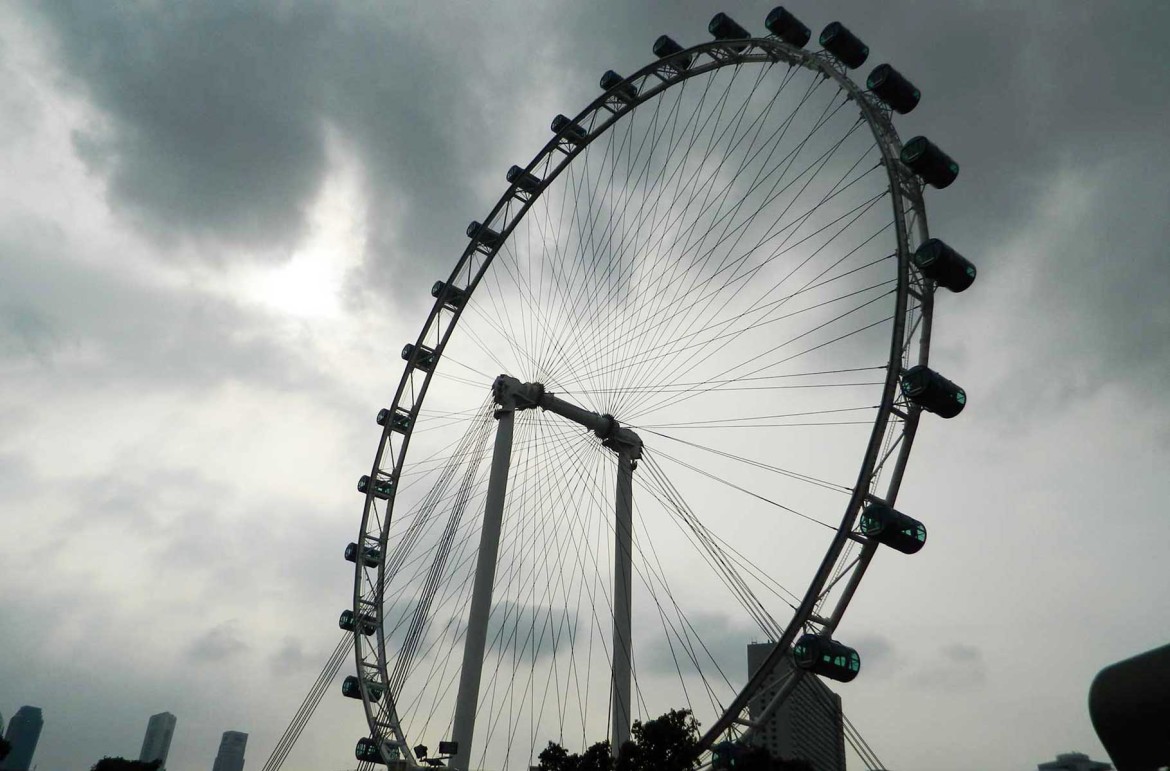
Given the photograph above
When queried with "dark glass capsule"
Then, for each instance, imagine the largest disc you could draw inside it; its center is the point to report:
(933, 392)
(924, 158)
(399, 420)
(891, 87)
(892, 528)
(523, 180)
(347, 622)
(382, 490)
(844, 45)
(454, 297)
(723, 27)
(371, 557)
(725, 755)
(941, 263)
(367, 750)
(612, 82)
(351, 688)
(666, 46)
(568, 130)
(781, 23)
(826, 657)
(424, 360)
(483, 234)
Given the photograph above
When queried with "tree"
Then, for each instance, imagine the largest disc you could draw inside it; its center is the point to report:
(5, 748)
(122, 764)
(666, 743)
(554, 757)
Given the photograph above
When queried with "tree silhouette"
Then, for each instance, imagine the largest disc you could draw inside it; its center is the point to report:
(5, 748)
(667, 743)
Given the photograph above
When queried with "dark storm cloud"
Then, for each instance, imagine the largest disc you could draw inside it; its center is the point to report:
(214, 117)
(215, 120)
(213, 124)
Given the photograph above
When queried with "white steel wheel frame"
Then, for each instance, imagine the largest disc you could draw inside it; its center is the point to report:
(890, 438)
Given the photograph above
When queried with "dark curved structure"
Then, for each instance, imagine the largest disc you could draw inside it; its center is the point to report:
(1129, 704)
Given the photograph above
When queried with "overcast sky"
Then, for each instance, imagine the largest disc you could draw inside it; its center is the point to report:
(219, 222)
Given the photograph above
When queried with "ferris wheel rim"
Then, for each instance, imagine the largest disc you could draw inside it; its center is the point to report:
(719, 54)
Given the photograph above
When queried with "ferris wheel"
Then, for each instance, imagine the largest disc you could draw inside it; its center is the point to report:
(678, 367)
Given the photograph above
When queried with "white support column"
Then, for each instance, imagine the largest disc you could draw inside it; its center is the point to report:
(622, 582)
(481, 594)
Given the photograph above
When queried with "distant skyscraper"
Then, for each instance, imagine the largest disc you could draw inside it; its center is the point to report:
(23, 732)
(1074, 761)
(157, 742)
(808, 725)
(231, 752)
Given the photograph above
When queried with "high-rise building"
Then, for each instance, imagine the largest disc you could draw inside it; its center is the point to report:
(808, 725)
(1073, 761)
(24, 730)
(157, 742)
(231, 752)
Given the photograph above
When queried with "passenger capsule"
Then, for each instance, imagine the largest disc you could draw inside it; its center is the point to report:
(370, 559)
(787, 27)
(367, 750)
(351, 688)
(941, 263)
(933, 392)
(369, 623)
(723, 27)
(666, 46)
(523, 180)
(424, 359)
(483, 234)
(891, 87)
(890, 527)
(725, 756)
(453, 297)
(568, 130)
(399, 420)
(612, 82)
(844, 45)
(826, 657)
(382, 490)
(924, 158)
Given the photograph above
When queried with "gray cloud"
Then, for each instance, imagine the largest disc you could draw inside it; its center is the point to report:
(62, 312)
(724, 644)
(292, 657)
(956, 666)
(212, 124)
(221, 642)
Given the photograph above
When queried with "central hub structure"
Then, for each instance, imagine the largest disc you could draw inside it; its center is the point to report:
(511, 395)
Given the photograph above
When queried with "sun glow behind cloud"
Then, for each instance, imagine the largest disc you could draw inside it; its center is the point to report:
(309, 284)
